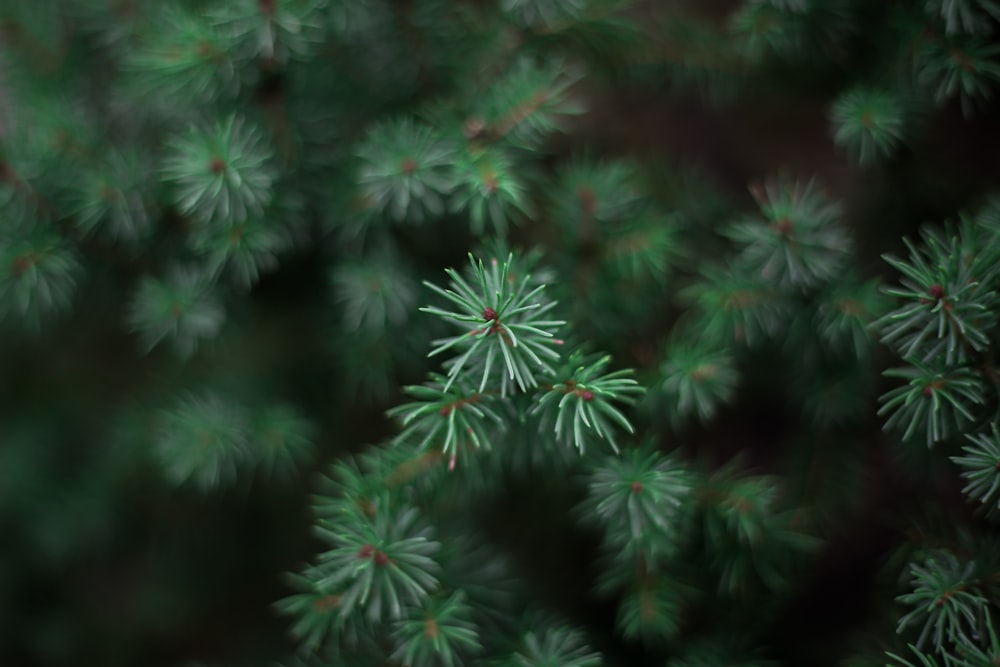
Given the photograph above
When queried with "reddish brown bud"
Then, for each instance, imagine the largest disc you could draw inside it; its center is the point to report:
(366, 551)
(473, 128)
(21, 264)
(587, 395)
(588, 199)
(936, 291)
(489, 314)
(784, 226)
(381, 558)
(217, 165)
(326, 603)
(490, 182)
(636, 486)
(408, 165)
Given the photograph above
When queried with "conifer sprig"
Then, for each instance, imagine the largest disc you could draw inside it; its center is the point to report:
(578, 406)
(946, 599)
(698, 377)
(509, 331)
(207, 439)
(528, 103)
(981, 467)
(183, 309)
(381, 565)
(935, 403)
(39, 271)
(406, 170)
(554, 646)
(643, 492)
(949, 300)
(799, 242)
(966, 16)
(183, 57)
(221, 174)
(448, 415)
(439, 633)
(870, 124)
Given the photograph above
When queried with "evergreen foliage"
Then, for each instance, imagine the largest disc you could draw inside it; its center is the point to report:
(648, 422)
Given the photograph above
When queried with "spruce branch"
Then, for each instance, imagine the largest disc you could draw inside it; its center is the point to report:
(846, 312)
(204, 439)
(490, 190)
(114, 199)
(651, 610)
(590, 199)
(182, 57)
(242, 250)
(869, 123)
(962, 66)
(39, 272)
(792, 29)
(382, 565)
(222, 174)
(376, 292)
(275, 31)
(281, 440)
(208, 439)
(645, 249)
(527, 104)
(406, 170)
(698, 378)
(639, 498)
(317, 621)
(936, 402)
(547, 15)
(449, 416)
(577, 403)
(749, 536)
(733, 307)
(438, 633)
(504, 322)
(965, 16)
(947, 601)
(182, 309)
(799, 243)
(981, 467)
(950, 303)
(352, 486)
(561, 646)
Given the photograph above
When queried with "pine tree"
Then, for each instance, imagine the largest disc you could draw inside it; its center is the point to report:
(375, 332)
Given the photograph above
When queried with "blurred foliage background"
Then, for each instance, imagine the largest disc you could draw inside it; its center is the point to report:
(104, 561)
